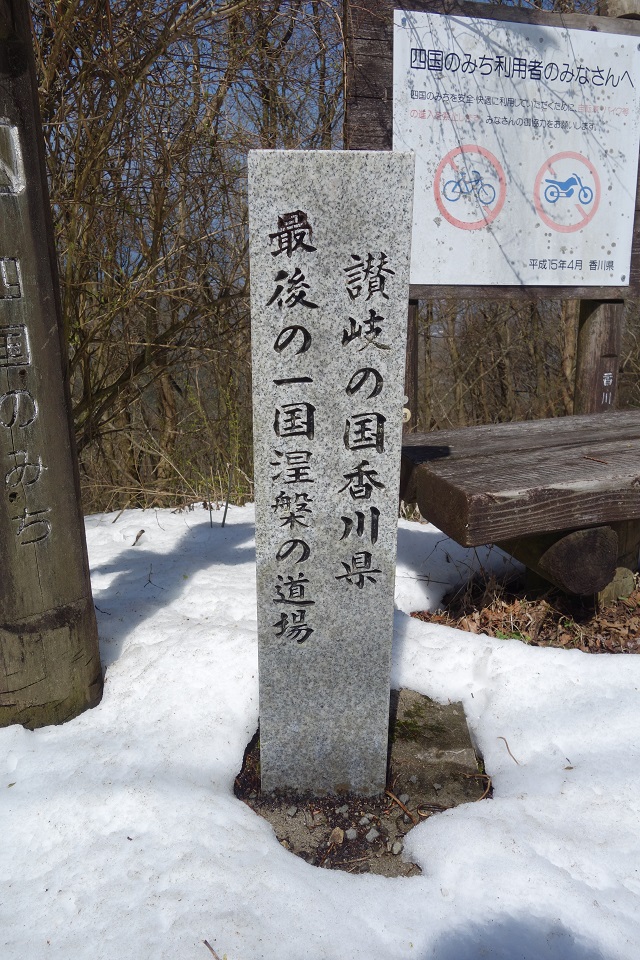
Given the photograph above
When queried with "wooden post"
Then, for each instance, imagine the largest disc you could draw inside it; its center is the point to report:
(597, 366)
(623, 582)
(598, 356)
(49, 659)
(625, 9)
(600, 324)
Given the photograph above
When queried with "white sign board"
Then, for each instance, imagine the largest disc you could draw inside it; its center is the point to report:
(526, 140)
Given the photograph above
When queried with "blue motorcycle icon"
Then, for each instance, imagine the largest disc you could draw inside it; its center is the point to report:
(565, 188)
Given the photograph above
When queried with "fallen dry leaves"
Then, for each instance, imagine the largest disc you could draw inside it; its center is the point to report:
(553, 619)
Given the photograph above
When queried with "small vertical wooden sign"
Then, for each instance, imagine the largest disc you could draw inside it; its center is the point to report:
(49, 659)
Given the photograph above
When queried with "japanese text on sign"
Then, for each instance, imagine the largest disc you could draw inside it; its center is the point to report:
(526, 141)
(22, 465)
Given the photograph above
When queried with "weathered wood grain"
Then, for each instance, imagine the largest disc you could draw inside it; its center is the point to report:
(49, 659)
(598, 356)
(503, 439)
(486, 518)
(373, 19)
(623, 583)
(582, 562)
(491, 483)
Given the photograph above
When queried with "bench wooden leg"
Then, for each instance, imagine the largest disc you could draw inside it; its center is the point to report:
(598, 560)
(580, 562)
(623, 583)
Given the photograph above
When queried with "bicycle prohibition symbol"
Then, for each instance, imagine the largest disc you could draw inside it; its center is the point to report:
(474, 184)
(472, 174)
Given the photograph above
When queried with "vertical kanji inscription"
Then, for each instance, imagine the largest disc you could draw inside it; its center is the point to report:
(329, 243)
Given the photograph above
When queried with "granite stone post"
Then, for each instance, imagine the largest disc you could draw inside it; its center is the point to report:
(330, 238)
(49, 658)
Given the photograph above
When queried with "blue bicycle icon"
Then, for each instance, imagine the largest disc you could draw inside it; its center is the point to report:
(484, 192)
(565, 188)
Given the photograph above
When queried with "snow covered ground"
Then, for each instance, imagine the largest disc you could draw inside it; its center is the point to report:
(122, 840)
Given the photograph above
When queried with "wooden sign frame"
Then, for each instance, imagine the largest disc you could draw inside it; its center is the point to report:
(369, 114)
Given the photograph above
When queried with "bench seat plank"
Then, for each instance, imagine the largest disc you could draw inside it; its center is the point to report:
(491, 483)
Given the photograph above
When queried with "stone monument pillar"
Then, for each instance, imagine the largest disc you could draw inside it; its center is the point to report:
(49, 660)
(330, 238)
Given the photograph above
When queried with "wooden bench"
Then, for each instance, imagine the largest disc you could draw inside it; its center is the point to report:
(562, 495)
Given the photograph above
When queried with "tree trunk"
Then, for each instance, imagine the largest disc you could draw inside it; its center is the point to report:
(569, 312)
(411, 368)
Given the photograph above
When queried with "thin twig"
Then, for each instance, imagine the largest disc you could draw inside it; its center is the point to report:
(402, 806)
(480, 776)
(595, 459)
(431, 808)
(226, 506)
(483, 776)
(508, 750)
(150, 581)
(351, 869)
(207, 944)
(329, 851)
(486, 791)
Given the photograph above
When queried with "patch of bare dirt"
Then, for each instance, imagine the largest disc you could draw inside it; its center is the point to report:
(432, 768)
(551, 619)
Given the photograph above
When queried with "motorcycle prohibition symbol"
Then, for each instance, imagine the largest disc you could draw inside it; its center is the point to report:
(454, 189)
(565, 188)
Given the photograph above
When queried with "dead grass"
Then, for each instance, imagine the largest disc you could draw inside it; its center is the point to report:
(551, 619)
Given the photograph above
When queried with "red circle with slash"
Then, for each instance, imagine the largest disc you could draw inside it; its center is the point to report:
(450, 161)
(543, 173)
